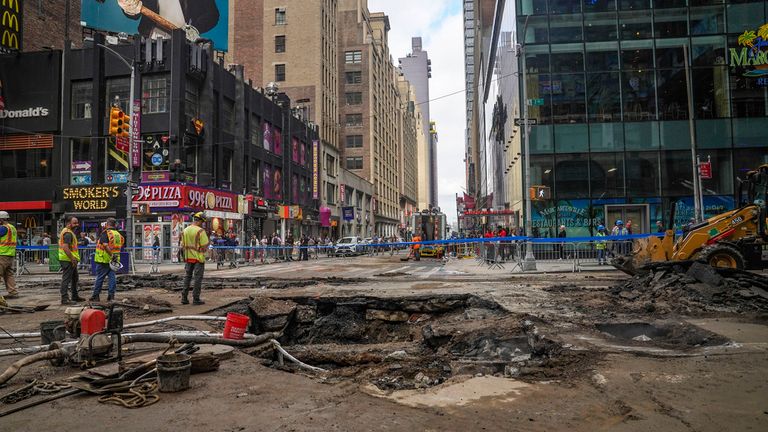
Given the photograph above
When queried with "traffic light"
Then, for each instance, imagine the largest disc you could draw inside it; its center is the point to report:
(118, 123)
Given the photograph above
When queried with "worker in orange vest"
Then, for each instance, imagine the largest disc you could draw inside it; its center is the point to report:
(416, 246)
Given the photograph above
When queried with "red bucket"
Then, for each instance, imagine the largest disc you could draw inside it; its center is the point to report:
(235, 326)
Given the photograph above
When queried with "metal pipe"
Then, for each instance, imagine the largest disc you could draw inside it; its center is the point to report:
(127, 326)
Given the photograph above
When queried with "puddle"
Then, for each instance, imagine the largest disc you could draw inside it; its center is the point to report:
(678, 335)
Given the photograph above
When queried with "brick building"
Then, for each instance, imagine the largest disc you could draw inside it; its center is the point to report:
(45, 26)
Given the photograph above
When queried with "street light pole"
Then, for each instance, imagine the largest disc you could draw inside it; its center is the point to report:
(697, 199)
(529, 262)
(129, 189)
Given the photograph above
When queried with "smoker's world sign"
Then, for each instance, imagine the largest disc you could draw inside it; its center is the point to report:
(751, 59)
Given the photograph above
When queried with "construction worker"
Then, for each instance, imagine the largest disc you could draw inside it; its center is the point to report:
(69, 257)
(194, 242)
(8, 254)
(416, 246)
(107, 252)
(600, 245)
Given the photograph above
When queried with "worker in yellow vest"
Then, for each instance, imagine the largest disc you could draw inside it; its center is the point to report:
(8, 254)
(69, 257)
(107, 259)
(194, 243)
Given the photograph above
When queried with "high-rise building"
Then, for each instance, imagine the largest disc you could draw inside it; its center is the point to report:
(607, 85)
(417, 68)
(369, 108)
(411, 136)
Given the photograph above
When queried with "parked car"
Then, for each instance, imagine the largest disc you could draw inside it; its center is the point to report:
(348, 246)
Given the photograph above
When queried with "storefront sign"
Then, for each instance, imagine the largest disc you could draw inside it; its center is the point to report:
(92, 198)
(11, 26)
(136, 134)
(290, 212)
(315, 170)
(155, 176)
(341, 193)
(752, 58)
(210, 200)
(159, 196)
(24, 113)
(30, 82)
(187, 197)
(348, 213)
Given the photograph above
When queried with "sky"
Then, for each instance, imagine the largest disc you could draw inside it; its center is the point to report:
(440, 25)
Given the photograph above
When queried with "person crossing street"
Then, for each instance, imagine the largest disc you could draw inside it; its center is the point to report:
(69, 257)
(8, 238)
(107, 259)
(194, 243)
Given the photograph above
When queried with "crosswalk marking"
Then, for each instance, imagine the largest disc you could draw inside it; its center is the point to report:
(398, 270)
(430, 273)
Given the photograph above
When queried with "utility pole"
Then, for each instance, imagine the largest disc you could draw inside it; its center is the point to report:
(697, 204)
(529, 262)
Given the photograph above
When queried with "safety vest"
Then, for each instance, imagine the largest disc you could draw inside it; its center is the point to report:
(104, 252)
(194, 241)
(8, 241)
(600, 244)
(72, 247)
(416, 239)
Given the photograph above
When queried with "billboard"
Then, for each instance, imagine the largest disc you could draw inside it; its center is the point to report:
(155, 18)
(11, 25)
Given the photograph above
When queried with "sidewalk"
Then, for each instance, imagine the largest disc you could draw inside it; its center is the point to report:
(472, 266)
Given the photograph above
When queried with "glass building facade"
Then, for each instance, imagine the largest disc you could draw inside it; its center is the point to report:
(609, 82)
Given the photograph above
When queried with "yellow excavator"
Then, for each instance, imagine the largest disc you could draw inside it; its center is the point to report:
(735, 239)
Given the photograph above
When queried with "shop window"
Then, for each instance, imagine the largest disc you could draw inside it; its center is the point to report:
(713, 133)
(710, 93)
(279, 72)
(607, 175)
(600, 26)
(676, 173)
(672, 94)
(639, 95)
(80, 100)
(571, 176)
(155, 94)
(568, 99)
(635, 25)
(747, 98)
(642, 174)
(565, 28)
(604, 97)
(606, 137)
(571, 138)
(671, 23)
(118, 93)
(707, 20)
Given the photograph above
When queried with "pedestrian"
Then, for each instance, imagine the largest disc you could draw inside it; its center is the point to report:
(276, 252)
(629, 226)
(416, 239)
(47, 246)
(600, 245)
(69, 258)
(107, 259)
(155, 249)
(194, 242)
(560, 247)
(220, 248)
(8, 239)
(232, 243)
(289, 242)
(83, 243)
(304, 248)
(660, 227)
(619, 230)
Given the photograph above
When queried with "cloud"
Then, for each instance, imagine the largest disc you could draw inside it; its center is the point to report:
(440, 24)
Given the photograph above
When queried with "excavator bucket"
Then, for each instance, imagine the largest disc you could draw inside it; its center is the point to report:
(644, 251)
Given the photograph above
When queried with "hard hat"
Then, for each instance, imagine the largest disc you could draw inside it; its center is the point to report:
(115, 265)
(619, 222)
(600, 227)
(4, 215)
(199, 216)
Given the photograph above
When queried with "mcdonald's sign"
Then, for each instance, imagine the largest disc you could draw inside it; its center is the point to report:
(11, 25)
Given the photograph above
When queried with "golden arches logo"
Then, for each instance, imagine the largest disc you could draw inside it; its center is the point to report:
(10, 40)
(10, 4)
(12, 21)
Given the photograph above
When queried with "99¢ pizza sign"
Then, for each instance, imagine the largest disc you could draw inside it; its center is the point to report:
(199, 198)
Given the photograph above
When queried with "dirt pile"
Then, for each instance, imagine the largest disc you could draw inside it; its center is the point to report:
(673, 287)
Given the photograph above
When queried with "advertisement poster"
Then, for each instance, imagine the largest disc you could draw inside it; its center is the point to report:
(348, 213)
(177, 227)
(267, 129)
(268, 182)
(295, 150)
(200, 18)
(295, 197)
(277, 140)
(315, 170)
(277, 184)
(136, 133)
(150, 232)
(155, 149)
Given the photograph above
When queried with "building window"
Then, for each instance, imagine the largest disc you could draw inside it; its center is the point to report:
(118, 92)
(279, 72)
(255, 176)
(279, 16)
(354, 120)
(228, 116)
(154, 97)
(32, 163)
(330, 193)
(279, 44)
(354, 98)
(354, 77)
(330, 165)
(353, 57)
(354, 141)
(227, 166)
(191, 101)
(255, 128)
(354, 163)
(81, 100)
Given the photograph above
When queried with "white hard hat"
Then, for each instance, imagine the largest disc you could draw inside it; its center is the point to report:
(4, 215)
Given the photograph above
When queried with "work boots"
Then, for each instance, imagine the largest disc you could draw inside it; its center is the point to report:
(184, 300)
(197, 302)
(95, 298)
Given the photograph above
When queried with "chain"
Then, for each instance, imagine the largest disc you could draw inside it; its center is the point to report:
(136, 397)
(31, 389)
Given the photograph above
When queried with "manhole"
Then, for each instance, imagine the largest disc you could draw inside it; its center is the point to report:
(410, 342)
(663, 334)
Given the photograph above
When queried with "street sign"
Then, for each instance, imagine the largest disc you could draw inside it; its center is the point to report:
(539, 193)
(536, 102)
(531, 122)
(705, 170)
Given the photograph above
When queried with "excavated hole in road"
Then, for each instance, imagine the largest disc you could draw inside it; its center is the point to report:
(410, 342)
(664, 334)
